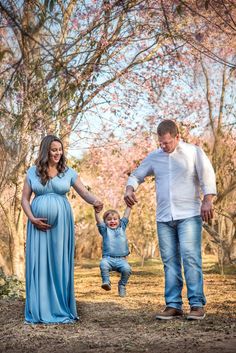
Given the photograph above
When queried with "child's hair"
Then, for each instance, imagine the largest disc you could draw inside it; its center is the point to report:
(109, 212)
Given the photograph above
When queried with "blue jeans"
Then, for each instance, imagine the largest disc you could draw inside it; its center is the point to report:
(180, 242)
(118, 264)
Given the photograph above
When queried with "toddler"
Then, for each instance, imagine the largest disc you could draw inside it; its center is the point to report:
(114, 248)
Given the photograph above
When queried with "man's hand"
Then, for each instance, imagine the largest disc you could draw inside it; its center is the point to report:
(207, 208)
(130, 198)
(98, 206)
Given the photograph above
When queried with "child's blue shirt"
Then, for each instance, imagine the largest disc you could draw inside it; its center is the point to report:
(114, 240)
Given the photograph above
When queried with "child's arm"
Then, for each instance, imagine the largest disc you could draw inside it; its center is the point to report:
(98, 218)
(102, 228)
(127, 212)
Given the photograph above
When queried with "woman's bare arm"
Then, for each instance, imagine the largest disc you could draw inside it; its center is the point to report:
(87, 195)
(40, 223)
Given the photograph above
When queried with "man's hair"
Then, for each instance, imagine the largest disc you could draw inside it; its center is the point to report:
(167, 126)
(108, 212)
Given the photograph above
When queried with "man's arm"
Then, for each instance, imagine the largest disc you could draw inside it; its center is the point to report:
(207, 180)
(135, 179)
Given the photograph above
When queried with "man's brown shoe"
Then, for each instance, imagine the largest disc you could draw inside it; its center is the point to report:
(169, 313)
(196, 313)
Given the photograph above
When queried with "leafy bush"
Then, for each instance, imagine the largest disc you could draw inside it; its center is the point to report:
(10, 286)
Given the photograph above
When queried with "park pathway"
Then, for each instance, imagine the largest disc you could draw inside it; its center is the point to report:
(112, 324)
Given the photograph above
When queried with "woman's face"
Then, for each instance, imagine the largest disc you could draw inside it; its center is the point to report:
(55, 152)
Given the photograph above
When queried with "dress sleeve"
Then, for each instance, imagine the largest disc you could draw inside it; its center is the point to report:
(102, 228)
(124, 222)
(74, 176)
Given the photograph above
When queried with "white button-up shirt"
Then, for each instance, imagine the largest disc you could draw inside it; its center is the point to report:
(180, 177)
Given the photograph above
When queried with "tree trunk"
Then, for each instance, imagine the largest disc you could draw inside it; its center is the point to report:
(224, 240)
(18, 254)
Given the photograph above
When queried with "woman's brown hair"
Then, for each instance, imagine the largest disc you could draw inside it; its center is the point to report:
(43, 157)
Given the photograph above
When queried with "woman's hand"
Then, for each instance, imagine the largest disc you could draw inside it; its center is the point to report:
(41, 224)
(98, 206)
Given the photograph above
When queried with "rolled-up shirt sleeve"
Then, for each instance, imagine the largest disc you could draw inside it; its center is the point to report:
(139, 174)
(205, 173)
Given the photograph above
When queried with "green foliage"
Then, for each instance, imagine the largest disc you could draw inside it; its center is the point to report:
(10, 286)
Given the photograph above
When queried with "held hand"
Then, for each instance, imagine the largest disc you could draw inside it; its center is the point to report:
(130, 198)
(206, 210)
(40, 223)
(98, 206)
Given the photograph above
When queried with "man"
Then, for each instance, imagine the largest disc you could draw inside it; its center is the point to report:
(181, 171)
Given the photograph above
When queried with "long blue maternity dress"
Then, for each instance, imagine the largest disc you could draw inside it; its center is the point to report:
(50, 255)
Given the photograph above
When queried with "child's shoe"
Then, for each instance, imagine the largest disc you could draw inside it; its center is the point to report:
(121, 290)
(106, 286)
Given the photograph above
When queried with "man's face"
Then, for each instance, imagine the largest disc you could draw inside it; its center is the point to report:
(168, 143)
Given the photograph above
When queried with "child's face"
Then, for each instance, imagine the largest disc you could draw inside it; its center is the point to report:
(112, 220)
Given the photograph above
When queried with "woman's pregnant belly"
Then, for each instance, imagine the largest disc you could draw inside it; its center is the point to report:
(49, 206)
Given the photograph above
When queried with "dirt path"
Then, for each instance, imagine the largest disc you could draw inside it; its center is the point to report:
(112, 324)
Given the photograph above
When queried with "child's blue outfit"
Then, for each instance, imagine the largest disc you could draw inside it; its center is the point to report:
(114, 251)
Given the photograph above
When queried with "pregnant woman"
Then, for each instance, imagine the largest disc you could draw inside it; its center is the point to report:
(50, 235)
